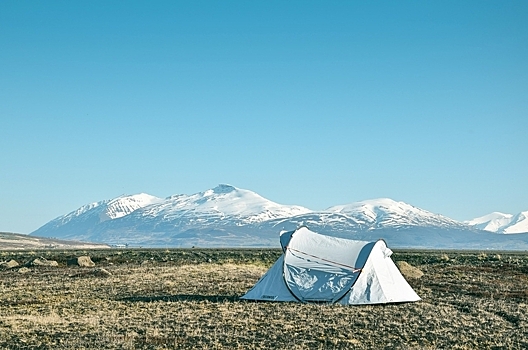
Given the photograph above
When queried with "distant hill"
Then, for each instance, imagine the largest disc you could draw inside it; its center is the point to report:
(15, 241)
(226, 216)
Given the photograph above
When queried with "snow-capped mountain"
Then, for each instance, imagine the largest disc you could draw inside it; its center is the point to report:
(221, 204)
(79, 223)
(364, 217)
(108, 209)
(502, 223)
(385, 212)
(229, 216)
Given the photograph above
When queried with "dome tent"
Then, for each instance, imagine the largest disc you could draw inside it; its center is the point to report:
(320, 268)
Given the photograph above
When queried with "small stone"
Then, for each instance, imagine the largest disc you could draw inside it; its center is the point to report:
(9, 264)
(85, 261)
(24, 270)
(43, 262)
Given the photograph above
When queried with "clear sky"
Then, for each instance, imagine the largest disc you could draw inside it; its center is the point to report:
(314, 103)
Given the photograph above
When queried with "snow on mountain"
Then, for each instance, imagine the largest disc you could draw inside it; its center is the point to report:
(134, 217)
(491, 222)
(223, 202)
(90, 215)
(385, 212)
(518, 223)
(400, 224)
(124, 205)
(111, 209)
(366, 216)
(501, 223)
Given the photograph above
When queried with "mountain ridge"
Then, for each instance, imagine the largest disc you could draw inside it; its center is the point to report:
(230, 216)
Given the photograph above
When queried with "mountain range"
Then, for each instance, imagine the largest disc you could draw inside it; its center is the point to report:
(226, 216)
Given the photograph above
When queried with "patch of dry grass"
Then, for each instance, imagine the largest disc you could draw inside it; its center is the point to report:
(152, 302)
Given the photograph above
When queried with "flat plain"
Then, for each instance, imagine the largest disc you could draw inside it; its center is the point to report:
(189, 298)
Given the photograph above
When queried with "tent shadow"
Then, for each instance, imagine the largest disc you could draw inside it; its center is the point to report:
(180, 297)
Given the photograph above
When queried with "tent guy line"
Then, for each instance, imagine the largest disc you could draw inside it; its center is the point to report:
(352, 268)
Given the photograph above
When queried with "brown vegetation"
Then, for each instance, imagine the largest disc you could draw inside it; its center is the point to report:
(17, 241)
(165, 299)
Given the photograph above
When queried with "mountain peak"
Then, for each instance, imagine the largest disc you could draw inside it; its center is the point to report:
(224, 188)
(126, 204)
(219, 191)
(386, 212)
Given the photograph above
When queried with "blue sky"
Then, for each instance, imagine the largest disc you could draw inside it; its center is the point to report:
(313, 103)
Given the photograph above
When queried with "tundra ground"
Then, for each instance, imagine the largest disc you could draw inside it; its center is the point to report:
(189, 298)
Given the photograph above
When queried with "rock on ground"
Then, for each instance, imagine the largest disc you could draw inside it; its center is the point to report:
(409, 271)
(82, 261)
(8, 264)
(42, 262)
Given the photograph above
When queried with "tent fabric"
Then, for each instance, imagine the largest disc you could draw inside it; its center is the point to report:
(320, 268)
(271, 286)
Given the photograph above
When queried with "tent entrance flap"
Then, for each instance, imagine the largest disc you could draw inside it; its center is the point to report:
(316, 285)
(311, 278)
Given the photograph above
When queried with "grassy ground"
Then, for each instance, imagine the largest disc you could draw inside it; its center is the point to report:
(165, 299)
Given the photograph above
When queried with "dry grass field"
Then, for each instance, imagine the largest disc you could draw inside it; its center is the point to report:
(172, 299)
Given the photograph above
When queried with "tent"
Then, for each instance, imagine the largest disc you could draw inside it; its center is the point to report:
(324, 269)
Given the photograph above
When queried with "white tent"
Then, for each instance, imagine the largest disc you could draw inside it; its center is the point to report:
(319, 268)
